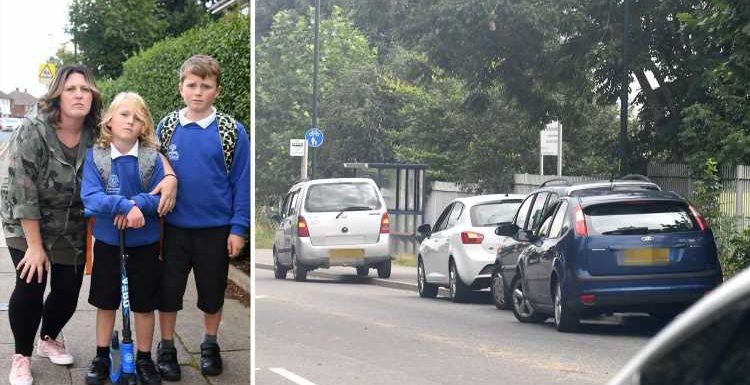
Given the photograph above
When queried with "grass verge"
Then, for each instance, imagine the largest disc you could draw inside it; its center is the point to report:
(405, 259)
(264, 232)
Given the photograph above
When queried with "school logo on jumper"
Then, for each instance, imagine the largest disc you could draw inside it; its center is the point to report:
(113, 185)
(172, 154)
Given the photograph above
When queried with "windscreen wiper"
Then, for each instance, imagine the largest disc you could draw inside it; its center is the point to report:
(353, 208)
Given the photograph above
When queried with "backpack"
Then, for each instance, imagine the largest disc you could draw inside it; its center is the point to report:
(147, 158)
(227, 134)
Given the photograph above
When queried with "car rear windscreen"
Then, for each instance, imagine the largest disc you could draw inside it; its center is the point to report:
(492, 213)
(341, 196)
(638, 218)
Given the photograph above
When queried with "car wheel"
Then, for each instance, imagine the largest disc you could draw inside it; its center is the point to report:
(457, 290)
(500, 296)
(362, 271)
(522, 308)
(299, 273)
(279, 271)
(426, 290)
(565, 319)
(384, 269)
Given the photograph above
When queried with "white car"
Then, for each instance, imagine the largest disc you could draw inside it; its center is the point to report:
(332, 222)
(459, 251)
(10, 124)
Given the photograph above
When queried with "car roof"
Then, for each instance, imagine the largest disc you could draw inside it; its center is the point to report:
(331, 180)
(630, 195)
(615, 185)
(476, 199)
(705, 311)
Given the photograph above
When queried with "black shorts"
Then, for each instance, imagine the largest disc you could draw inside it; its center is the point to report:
(204, 251)
(144, 277)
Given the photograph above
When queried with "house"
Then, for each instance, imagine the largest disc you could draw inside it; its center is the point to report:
(21, 103)
(5, 102)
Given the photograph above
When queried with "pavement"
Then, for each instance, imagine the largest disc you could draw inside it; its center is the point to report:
(234, 336)
(402, 277)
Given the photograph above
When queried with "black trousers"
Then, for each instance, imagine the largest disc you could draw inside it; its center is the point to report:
(27, 307)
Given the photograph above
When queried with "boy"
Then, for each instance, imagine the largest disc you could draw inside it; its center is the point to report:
(127, 150)
(210, 153)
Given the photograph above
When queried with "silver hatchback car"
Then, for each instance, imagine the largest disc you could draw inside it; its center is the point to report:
(332, 222)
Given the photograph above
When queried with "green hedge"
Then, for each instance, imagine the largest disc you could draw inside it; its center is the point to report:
(154, 73)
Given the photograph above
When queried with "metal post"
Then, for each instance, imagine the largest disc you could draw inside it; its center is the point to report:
(559, 149)
(303, 166)
(624, 92)
(316, 60)
(541, 152)
(739, 198)
(541, 164)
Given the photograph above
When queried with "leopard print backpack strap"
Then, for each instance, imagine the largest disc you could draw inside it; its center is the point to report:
(168, 125)
(228, 136)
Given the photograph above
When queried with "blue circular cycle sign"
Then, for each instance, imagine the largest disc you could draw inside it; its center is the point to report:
(314, 137)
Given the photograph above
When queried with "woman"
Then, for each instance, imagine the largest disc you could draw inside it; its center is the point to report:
(43, 216)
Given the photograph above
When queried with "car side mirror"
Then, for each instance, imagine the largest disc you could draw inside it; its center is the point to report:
(424, 229)
(507, 229)
(276, 218)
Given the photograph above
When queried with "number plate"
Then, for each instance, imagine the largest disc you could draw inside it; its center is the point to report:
(346, 254)
(645, 257)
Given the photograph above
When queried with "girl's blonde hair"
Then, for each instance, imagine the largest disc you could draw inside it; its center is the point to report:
(142, 114)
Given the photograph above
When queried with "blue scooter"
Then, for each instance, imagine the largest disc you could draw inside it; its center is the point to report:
(122, 365)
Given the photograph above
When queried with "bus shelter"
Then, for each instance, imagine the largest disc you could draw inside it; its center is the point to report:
(403, 188)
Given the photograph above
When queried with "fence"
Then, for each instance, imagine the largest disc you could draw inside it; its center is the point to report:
(734, 199)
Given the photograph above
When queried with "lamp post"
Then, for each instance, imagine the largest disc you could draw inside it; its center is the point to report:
(316, 60)
(624, 92)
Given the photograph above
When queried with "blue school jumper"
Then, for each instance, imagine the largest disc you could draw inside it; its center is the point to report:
(115, 198)
(208, 197)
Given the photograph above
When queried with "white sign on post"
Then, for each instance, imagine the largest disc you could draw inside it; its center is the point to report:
(548, 141)
(296, 147)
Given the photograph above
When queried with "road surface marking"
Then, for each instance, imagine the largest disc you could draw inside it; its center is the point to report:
(291, 376)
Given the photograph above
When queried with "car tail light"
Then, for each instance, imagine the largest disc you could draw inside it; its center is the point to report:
(471, 238)
(699, 218)
(302, 230)
(580, 223)
(385, 224)
(588, 299)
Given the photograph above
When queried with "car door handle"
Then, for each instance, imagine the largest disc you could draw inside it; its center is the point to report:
(680, 245)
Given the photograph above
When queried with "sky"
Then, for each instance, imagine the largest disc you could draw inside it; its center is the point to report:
(30, 32)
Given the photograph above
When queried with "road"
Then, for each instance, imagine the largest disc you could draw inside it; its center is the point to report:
(340, 329)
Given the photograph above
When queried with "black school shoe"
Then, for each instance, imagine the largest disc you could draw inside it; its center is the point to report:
(210, 359)
(167, 362)
(147, 373)
(98, 371)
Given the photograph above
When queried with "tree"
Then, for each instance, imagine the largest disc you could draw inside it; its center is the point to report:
(110, 31)
(348, 115)
(182, 15)
(718, 125)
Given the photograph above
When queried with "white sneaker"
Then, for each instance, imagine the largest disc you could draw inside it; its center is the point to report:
(54, 350)
(20, 370)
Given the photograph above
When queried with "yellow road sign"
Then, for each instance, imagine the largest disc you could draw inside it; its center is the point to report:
(47, 71)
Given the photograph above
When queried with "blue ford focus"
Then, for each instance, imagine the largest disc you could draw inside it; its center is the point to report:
(622, 251)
